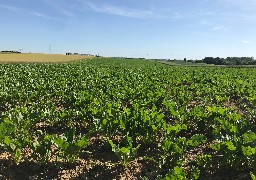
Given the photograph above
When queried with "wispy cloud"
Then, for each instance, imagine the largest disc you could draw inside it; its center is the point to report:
(150, 13)
(228, 11)
(58, 6)
(44, 16)
(11, 8)
(205, 22)
(217, 28)
(66, 13)
(115, 10)
(27, 11)
(245, 41)
(240, 3)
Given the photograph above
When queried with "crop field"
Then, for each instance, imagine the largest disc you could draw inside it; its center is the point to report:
(126, 119)
(41, 58)
(182, 63)
(190, 64)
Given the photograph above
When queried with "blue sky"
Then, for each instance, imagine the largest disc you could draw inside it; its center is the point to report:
(132, 28)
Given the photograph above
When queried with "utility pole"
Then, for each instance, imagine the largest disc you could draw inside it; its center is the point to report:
(50, 50)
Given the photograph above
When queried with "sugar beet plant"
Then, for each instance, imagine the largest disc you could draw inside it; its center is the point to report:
(140, 109)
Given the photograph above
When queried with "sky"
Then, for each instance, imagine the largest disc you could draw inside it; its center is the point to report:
(170, 29)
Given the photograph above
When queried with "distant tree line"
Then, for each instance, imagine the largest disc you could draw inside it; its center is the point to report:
(230, 61)
(10, 52)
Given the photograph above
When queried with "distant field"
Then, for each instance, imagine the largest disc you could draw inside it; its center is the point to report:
(183, 63)
(190, 64)
(44, 58)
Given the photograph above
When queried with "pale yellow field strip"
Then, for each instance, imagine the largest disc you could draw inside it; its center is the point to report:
(43, 58)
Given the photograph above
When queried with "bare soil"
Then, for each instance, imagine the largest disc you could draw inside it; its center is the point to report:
(99, 162)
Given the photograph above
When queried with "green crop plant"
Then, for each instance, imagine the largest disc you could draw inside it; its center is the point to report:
(57, 111)
(127, 152)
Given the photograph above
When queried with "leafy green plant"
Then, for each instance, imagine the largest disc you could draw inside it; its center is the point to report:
(43, 149)
(253, 176)
(69, 145)
(125, 153)
(171, 111)
(205, 161)
(196, 140)
(177, 173)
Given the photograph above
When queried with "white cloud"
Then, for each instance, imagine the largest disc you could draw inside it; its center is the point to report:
(217, 28)
(58, 6)
(44, 16)
(220, 28)
(27, 11)
(205, 22)
(11, 8)
(245, 42)
(238, 2)
(115, 10)
(152, 13)
(66, 13)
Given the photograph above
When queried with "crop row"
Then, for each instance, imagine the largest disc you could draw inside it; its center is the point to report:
(195, 121)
